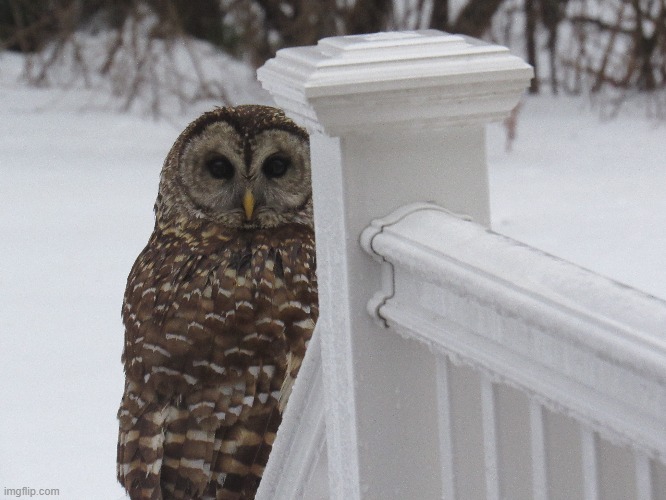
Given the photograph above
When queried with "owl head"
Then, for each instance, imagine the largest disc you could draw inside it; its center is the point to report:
(244, 167)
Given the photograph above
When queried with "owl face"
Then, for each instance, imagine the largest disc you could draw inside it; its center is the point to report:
(245, 168)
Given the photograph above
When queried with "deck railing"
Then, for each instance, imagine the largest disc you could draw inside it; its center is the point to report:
(449, 361)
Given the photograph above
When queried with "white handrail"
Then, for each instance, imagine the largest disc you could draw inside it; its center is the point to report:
(572, 339)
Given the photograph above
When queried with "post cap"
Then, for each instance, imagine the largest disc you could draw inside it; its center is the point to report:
(396, 80)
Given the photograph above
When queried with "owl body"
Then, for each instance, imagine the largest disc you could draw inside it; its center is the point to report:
(219, 308)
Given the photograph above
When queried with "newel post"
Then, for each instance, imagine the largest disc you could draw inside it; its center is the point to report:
(395, 118)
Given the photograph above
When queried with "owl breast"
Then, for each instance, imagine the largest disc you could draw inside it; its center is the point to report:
(216, 330)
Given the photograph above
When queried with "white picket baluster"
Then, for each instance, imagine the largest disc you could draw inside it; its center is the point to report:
(538, 445)
(644, 485)
(490, 443)
(446, 435)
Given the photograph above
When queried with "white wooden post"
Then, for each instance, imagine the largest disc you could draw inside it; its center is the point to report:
(395, 118)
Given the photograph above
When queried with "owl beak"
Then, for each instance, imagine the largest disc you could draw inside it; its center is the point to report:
(248, 204)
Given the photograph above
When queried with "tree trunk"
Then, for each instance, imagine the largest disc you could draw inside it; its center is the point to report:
(552, 12)
(439, 19)
(369, 16)
(643, 48)
(201, 19)
(474, 20)
(530, 43)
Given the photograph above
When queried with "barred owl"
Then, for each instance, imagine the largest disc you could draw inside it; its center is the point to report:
(219, 308)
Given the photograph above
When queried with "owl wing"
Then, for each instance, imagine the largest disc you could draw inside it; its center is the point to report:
(212, 347)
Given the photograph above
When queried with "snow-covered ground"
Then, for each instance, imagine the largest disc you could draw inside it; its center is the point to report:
(76, 200)
(590, 191)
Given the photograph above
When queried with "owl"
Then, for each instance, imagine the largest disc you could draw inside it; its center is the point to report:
(219, 308)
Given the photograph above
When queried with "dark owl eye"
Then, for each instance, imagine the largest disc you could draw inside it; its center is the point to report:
(220, 167)
(276, 166)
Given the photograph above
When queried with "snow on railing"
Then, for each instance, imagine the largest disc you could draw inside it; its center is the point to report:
(570, 341)
(485, 369)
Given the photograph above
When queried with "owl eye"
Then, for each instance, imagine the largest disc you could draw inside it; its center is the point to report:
(276, 166)
(220, 167)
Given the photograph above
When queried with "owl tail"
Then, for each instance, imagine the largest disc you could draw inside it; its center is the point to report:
(146, 447)
(190, 474)
(244, 448)
(140, 452)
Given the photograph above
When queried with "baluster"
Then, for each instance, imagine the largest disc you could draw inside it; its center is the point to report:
(644, 488)
(539, 472)
(445, 429)
(490, 444)
(590, 464)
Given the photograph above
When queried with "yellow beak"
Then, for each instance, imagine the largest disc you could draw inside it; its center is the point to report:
(248, 204)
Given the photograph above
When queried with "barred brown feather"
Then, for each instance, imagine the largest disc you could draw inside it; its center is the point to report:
(218, 312)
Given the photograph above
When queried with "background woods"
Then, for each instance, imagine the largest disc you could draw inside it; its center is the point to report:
(159, 48)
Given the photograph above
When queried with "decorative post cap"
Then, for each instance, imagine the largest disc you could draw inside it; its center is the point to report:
(403, 80)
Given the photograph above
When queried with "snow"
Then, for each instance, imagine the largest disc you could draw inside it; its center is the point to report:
(586, 190)
(76, 208)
